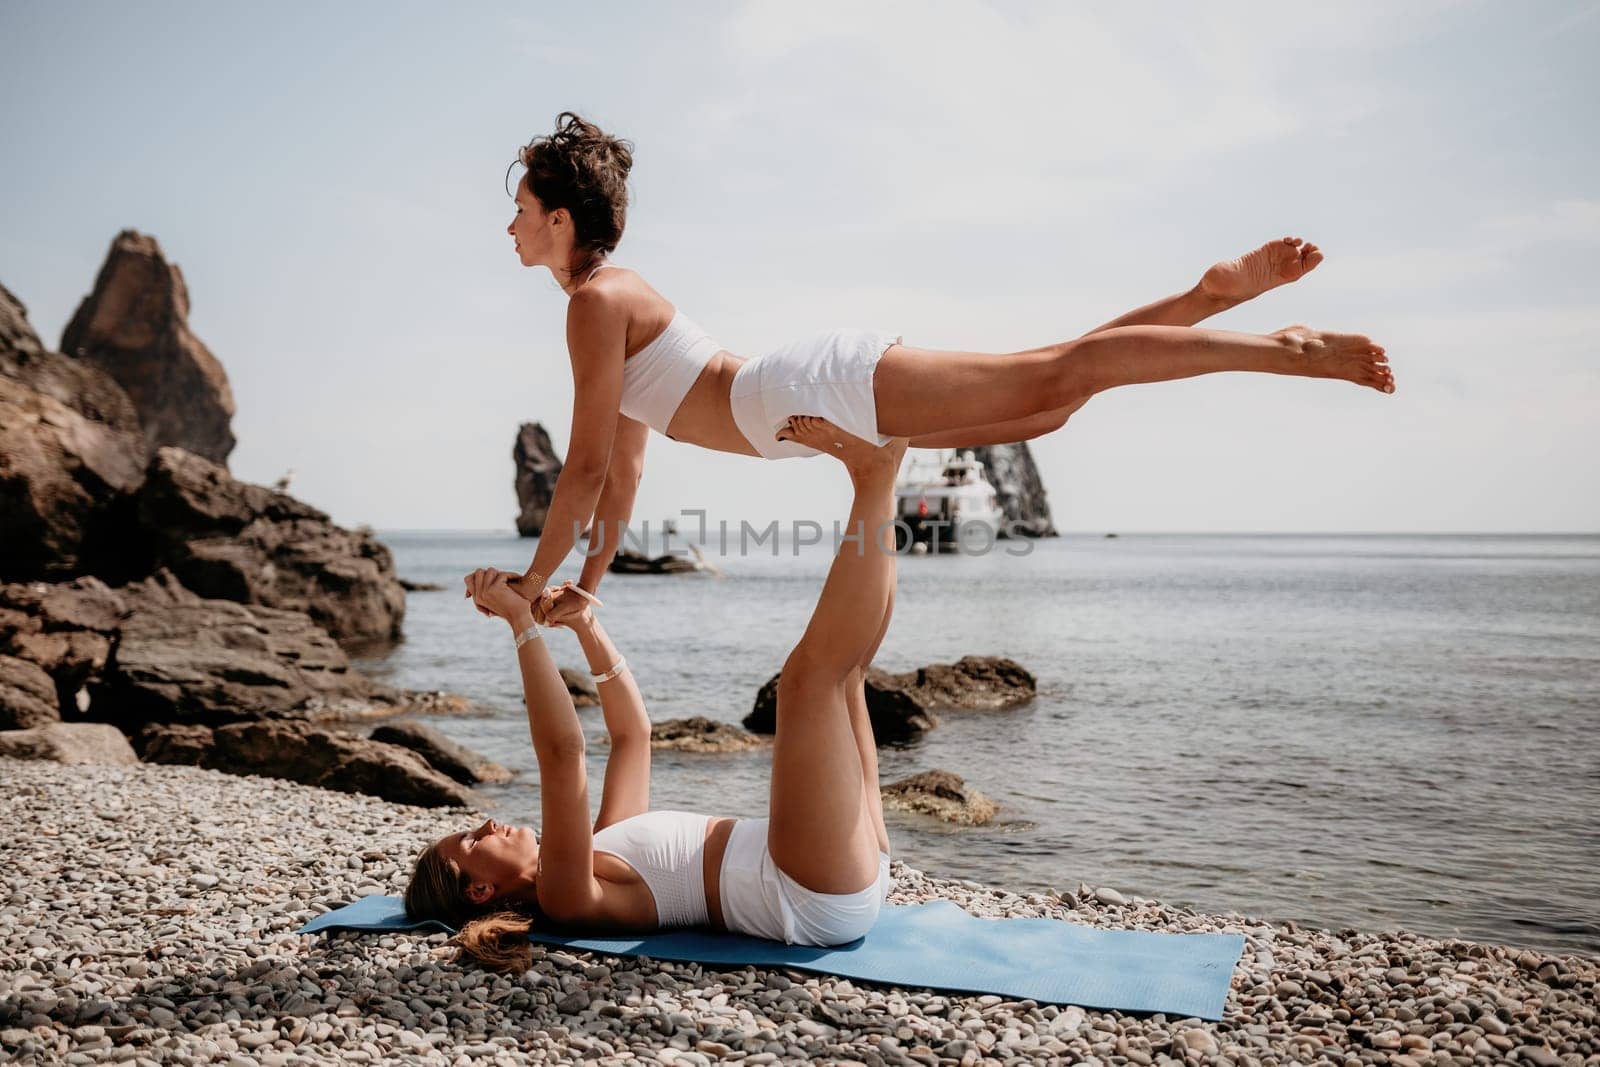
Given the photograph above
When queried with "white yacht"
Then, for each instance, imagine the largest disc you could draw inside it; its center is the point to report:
(946, 500)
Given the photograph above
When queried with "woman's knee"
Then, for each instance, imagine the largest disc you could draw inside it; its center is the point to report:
(806, 680)
(1070, 383)
(817, 667)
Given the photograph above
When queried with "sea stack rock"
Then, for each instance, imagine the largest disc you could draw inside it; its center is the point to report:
(70, 450)
(134, 326)
(1016, 483)
(538, 467)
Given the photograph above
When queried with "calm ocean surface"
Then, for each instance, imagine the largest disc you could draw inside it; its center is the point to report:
(1370, 731)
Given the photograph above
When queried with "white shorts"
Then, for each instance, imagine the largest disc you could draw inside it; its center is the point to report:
(827, 374)
(760, 900)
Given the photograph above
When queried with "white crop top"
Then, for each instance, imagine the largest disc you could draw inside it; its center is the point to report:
(667, 848)
(656, 378)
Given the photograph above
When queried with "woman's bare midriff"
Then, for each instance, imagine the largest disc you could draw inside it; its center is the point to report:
(631, 902)
(705, 415)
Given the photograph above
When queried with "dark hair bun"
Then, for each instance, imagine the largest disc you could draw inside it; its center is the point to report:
(582, 168)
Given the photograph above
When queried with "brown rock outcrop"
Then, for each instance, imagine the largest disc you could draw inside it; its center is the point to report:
(81, 742)
(134, 326)
(901, 706)
(537, 467)
(896, 715)
(976, 683)
(941, 794)
(230, 540)
(581, 687)
(153, 651)
(70, 450)
(627, 561)
(700, 734)
(311, 755)
(27, 695)
(441, 753)
(66, 630)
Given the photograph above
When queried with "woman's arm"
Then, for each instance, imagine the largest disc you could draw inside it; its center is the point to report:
(597, 339)
(567, 886)
(627, 785)
(615, 507)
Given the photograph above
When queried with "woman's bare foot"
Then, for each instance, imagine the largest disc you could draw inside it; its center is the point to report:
(1273, 264)
(861, 458)
(1351, 357)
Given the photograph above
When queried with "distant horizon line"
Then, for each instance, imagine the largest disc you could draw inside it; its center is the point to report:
(1120, 533)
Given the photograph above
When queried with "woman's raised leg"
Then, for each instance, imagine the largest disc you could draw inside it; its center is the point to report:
(920, 392)
(1000, 433)
(821, 833)
(866, 743)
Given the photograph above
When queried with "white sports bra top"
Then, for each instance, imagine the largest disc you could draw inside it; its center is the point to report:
(667, 848)
(656, 378)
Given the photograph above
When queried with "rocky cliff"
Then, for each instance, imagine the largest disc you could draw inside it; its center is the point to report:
(135, 327)
(1016, 481)
(537, 467)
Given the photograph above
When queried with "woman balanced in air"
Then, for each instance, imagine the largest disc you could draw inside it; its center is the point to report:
(813, 872)
(638, 363)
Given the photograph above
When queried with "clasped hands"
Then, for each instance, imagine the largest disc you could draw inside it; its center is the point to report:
(493, 593)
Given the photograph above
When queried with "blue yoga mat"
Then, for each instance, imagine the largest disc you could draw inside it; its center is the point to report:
(940, 946)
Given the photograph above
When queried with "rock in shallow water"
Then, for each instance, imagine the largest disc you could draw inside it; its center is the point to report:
(700, 734)
(941, 794)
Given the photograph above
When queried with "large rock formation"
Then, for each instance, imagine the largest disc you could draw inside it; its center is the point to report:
(80, 494)
(538, 467)
(153, 651)
(1016, 482)
(134, 326)
(235, 541)
(70, 449)
(224, 627)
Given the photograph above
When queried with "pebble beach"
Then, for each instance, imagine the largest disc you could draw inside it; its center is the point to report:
(148, 916)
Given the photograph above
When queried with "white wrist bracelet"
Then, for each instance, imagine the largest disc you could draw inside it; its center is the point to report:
(530, 634)
(619, 667)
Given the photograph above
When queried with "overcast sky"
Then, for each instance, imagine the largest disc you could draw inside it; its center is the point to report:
(330, 178)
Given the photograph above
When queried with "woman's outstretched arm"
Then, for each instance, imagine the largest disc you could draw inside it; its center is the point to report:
(567, 885)
(627, 785)
(597, 339)
(615, 508)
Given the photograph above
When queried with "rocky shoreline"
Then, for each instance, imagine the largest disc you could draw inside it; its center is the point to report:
(148, 915)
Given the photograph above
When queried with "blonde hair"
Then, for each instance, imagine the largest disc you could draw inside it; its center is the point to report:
(493, 935)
